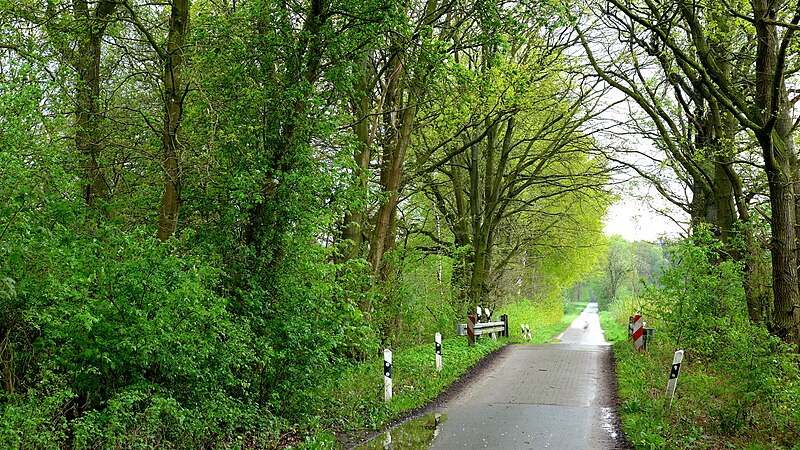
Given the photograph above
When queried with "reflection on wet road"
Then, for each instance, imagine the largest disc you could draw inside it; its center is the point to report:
(535, 396)
(412, 435)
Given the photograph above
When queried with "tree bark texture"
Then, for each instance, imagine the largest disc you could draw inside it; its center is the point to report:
(174, 94)
(88, 118)
(353, 224)
(780, 161)
(757, 98)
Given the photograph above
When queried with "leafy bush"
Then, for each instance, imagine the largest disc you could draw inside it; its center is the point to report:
(134, 341)
(738, 383)
(701, 300)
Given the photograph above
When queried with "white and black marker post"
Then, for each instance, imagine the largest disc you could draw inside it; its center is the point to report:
(387, 374)
(489, 319)
(478, 318)
(673, 375)
(438, 340)
(387, 440)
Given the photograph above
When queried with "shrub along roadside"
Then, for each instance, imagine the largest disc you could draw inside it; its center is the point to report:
(352, 401)
(739, 387)
(714, 406)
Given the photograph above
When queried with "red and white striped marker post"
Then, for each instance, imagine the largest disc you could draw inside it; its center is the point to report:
(471, 330)
(638, 332)
(673, 375)
(438, 340)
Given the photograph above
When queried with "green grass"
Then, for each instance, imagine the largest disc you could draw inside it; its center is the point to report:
(718, 404)
(613, 331)
(546, 320)
(352, 400)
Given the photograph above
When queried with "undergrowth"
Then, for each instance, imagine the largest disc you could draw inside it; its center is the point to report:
(739, 387)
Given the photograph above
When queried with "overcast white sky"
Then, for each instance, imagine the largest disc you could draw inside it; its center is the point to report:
(635, 221)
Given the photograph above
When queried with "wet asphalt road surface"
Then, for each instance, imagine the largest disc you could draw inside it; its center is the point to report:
(553, 395)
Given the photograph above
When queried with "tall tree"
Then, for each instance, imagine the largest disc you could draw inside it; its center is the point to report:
(393, 81)
(756, 95)
(79, 39)
(175, 90)
(494, 166)
(171, 56)
(696, 134)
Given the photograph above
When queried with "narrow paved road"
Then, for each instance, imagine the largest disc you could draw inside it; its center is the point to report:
(554, 395)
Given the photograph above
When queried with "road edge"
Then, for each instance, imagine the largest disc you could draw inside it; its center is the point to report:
(352, 440)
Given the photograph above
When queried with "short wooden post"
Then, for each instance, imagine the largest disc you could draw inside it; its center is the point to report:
(504, 318)
(438, 340)
(387, 374)
(677, 360)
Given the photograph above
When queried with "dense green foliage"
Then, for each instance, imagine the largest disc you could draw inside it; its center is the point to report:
(298, 143)
(738, 385)
(216, 214)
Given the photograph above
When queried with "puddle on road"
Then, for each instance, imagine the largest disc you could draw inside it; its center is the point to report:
(609, 419)
(413, 435)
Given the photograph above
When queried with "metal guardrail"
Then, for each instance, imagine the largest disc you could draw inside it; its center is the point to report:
(476, 328)
(488, 327)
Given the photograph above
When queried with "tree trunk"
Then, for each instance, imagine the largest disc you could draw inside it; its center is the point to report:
(480, 270)
(174, 94)
(780, 165)
(88, 120)
(352, 226)
(784, 258)
(403, 94)
(399, 122)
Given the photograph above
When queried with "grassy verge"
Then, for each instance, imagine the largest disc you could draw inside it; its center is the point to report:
(613, 331)
(719, 403)
(352, 401)
(545, 320)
